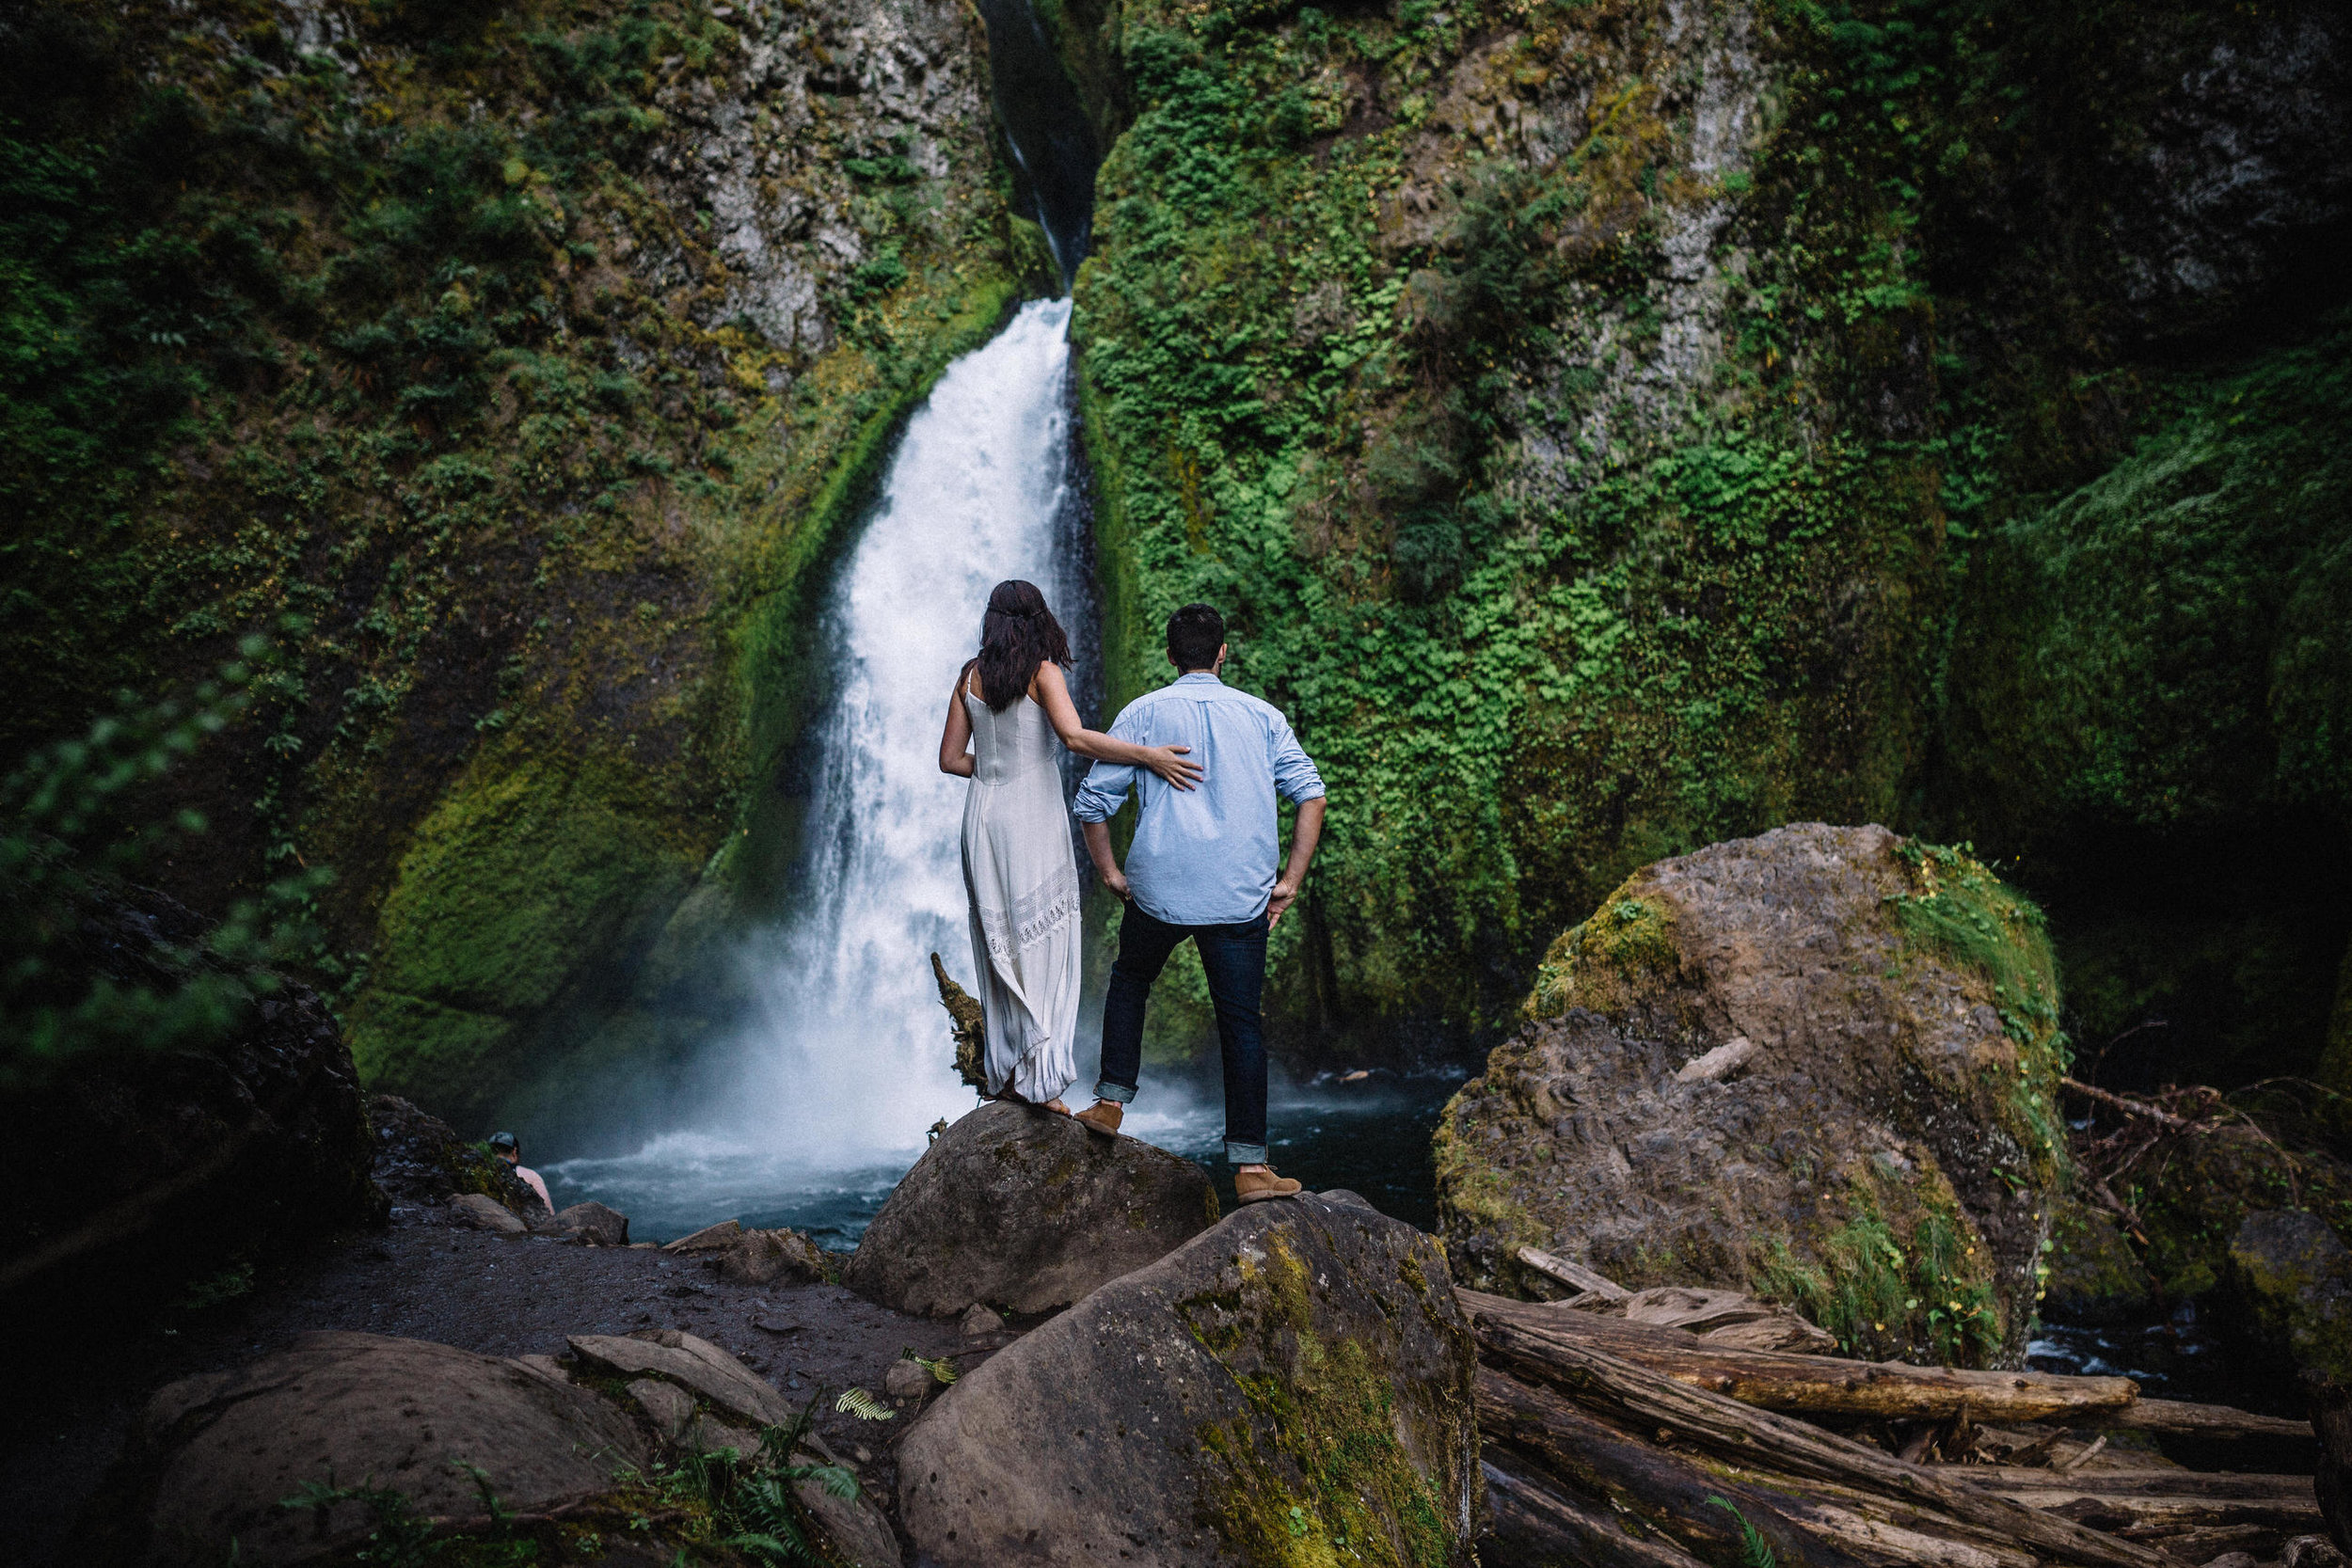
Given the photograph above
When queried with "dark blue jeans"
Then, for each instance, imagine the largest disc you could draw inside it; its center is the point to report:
(1235, 959)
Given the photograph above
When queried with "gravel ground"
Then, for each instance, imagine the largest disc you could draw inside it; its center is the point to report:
(423, 1279)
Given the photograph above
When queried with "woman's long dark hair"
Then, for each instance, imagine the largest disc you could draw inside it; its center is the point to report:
(1017, 635)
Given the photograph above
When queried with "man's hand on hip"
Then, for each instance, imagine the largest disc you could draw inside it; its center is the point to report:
(1286, 895)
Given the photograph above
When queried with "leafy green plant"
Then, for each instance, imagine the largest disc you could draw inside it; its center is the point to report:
(1754, 1551)
(399, 1537)
(77, 818)
(865, 1406)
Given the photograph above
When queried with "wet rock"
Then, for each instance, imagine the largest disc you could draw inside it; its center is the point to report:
(1884, 1157)
(1026, 1210)
(417, 1159)
(214, 1456)
(595, 1224)
(710, 1238)
(2296, 1274)
(907, 1379)
(669, 1407)
(768, 1257)
(693, 1364)
(978, 1323)
(478, 1213)
(2095, 1275)
(1297, 1375)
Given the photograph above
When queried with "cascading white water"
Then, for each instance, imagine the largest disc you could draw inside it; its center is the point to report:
(845, 1061)
(809, 1115)
(850, 1055)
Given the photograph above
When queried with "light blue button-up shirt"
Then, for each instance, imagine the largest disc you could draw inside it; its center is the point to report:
(1206, 856)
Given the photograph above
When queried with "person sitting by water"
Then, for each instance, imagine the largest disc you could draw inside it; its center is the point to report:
(506, 1148)
(1202, 865)
(1009, 719)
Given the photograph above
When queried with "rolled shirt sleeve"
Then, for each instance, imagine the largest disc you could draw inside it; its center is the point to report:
(1106, 786)
(1295, 773)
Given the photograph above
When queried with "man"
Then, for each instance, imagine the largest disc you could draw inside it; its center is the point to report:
(1202, 867)
(509, 1148)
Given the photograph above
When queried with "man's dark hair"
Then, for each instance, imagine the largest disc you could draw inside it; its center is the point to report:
(1195, 633)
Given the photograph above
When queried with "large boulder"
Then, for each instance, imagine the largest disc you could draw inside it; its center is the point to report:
(1818, 1065)
(2296, 1275)
(1293, 1387)
(214, 1456)
(1024, 1209)
(419, 1159)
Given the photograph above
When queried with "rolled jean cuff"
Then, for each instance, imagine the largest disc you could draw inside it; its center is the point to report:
(1118, 1094)
(1245, 1154)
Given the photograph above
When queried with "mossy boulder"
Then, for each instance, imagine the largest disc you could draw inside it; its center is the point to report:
(2095, 1275)
(418, 1160)
(1020, 1208)
(2296, 1275)
(1886, 1160)
(1290, 1389)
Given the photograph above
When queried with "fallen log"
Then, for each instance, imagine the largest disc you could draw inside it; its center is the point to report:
(1573, 1275)
(2135, 1512)
(1531, 1526)
(2167, 1482)
(2201, 1420)
(1664, 1491)
(1812, 1384)
(1644, 1400)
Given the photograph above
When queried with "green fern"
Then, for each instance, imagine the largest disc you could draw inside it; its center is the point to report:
(942, 1369)
(865, 1406)
(1754, 1551)
(767, 1525)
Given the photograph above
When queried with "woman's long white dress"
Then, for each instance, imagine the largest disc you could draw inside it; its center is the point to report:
(1022, 878)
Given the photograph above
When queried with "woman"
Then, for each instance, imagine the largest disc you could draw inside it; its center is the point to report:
(1020, 873)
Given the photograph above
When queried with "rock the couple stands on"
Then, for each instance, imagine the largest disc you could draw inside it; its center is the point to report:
(1206, 763)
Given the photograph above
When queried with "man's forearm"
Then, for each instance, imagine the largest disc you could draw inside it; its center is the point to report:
(1098, 842)
(1305, 835)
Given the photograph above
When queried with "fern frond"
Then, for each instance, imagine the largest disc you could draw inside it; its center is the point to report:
(836, 1481)
(865, 1406)
(943, 1369)
(1754, 1551)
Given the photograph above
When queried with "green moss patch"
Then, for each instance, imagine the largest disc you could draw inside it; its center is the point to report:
(1334, 1485)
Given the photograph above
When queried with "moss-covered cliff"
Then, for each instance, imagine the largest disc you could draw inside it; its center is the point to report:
(1613, 427)
(1598, 418)
(515, 367)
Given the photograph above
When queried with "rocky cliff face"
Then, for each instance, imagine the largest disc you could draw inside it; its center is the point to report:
(1587, 414)
(515, 367)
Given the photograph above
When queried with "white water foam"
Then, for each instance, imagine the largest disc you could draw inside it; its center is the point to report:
(849, 1060)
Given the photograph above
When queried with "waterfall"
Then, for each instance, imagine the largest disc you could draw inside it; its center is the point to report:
(816, 1105)
(849, 1056)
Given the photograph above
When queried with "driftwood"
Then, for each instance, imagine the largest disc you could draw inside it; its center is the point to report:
(1638, 1398)
(1667, 1493)
(1811, 1384)
(966, 1022)
(2200, 1420)
(1575, 1275)
(2135, 1502)
(1531, 1526)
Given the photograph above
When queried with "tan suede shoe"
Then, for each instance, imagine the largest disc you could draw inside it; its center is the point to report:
(1102, 1117)
(1257, 1186)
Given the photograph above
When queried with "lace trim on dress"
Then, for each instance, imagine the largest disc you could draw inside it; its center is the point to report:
(1034, 916)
